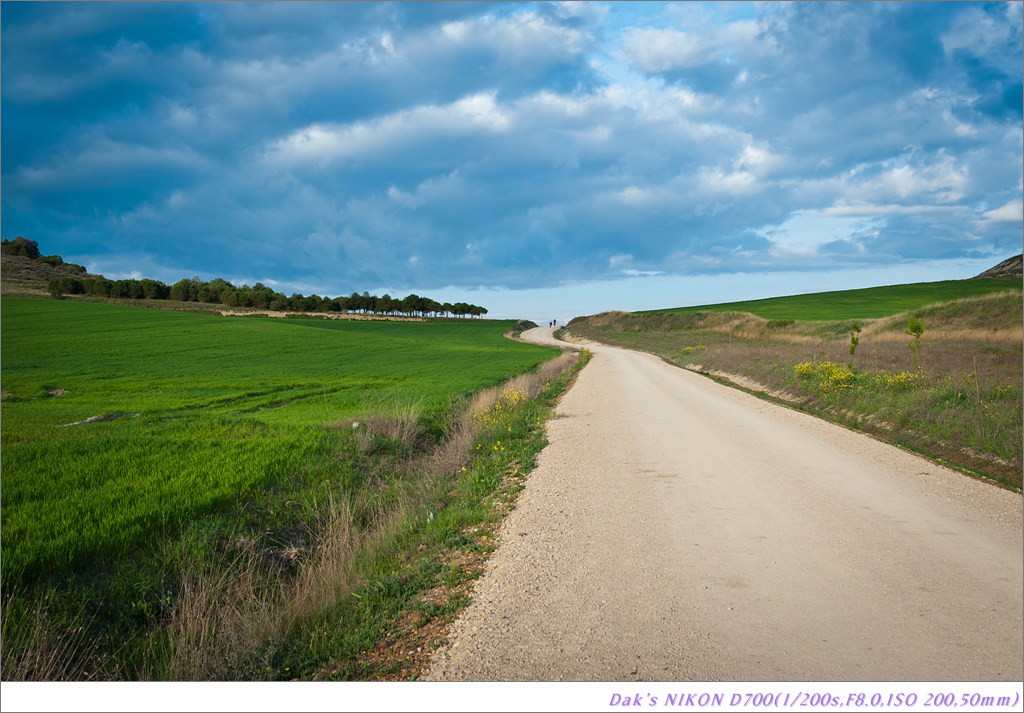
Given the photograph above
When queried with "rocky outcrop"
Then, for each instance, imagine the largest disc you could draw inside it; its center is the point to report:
(1009, 269)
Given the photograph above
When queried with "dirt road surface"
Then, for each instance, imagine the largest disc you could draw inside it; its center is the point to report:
(676, 530)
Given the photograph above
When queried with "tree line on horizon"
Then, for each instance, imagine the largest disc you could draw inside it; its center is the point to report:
(220, 291)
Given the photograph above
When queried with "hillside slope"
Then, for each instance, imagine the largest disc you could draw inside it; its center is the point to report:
(956, 399)
(1009, 269)
(21, 275)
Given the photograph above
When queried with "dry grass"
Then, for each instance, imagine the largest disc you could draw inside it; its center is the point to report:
(999, 336)
(227, 621)
(35, 648)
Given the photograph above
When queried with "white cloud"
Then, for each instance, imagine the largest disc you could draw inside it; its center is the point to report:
(803, 233)
(658, 50)
(757, 160)
(523, 37)
(714, 180)
(1011, 212)
(979, 32)
(842, 209)
(324, 143)
(406, 199)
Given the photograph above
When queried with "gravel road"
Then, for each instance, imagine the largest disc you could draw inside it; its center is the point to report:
(676, 529)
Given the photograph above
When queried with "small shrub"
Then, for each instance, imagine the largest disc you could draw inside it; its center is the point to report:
(832, 377)
(901, 381)
(915, 328)
(805, 369)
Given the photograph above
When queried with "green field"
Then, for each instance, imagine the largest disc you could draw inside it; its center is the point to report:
(203, 411)
(141, 445)
(866, 303)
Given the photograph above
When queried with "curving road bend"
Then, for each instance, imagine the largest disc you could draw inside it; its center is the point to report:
(676, 529)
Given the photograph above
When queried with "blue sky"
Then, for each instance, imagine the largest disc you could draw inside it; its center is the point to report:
(542, 159)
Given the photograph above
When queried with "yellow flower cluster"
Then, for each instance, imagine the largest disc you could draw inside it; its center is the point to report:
(509, 399)
(900, 381)
(832, 377)
(804, 369)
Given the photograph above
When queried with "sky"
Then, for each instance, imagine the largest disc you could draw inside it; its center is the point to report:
(544, 160)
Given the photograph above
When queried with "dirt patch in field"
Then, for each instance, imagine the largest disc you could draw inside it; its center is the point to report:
(102, 418)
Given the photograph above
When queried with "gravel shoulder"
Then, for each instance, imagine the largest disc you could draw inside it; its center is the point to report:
(676, 529)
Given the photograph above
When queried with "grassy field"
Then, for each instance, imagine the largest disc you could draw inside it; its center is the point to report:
(144, 450)
(960, 404)
(867, 303)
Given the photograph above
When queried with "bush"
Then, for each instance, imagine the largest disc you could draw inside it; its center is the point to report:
(21, 246)
(832, 377)
(804, 369)
(900, 381)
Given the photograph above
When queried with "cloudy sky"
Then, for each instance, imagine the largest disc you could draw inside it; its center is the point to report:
(541, 159)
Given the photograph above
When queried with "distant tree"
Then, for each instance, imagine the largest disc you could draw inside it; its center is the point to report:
(297, 303)
(184, 291)
(854, 340)
(410, 304)
(21, 246)
(384, 304)
(65, 285)
(98, 287)
(214, 291)
(313, 303)
(154, 290)
(279, 303)
(431, 306)
(261, 296)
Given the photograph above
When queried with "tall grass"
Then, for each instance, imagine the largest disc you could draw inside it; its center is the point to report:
(231, 622)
